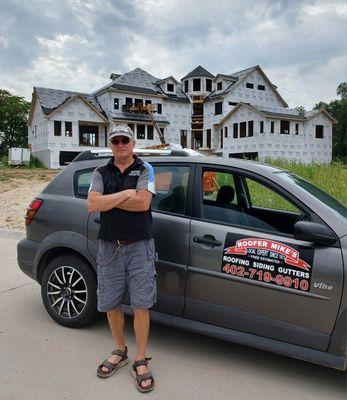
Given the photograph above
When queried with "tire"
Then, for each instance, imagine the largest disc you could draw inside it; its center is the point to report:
(68, 291)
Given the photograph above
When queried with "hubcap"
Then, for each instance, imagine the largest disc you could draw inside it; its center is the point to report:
(67, 291)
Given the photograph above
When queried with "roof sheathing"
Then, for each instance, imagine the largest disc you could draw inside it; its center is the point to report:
(51, 99)
(198, 72)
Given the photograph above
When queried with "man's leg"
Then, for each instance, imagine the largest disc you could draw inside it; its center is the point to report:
(141, 328)
(116, 322)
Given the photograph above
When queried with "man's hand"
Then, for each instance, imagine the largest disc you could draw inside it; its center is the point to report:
(98, 202)
(137, 200)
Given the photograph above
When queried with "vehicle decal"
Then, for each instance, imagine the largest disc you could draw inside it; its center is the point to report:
(268, 261)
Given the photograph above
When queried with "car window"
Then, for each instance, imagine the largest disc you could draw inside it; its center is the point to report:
(215, 183)
(224, 200)
(82, 182)
(338, 208)
(262, 196)
(171, 184)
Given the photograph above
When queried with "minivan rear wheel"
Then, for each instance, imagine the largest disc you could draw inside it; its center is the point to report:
(68, 291)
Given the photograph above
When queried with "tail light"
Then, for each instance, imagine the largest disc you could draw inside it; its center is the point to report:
(32, 210)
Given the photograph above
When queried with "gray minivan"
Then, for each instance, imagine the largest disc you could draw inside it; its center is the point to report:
(247, 252)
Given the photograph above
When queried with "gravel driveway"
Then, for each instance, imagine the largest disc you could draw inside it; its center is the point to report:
(18, 186)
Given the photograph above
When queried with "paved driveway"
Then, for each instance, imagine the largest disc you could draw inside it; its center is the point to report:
(41, 360)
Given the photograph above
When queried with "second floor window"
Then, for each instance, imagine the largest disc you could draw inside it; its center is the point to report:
(243, 129)
(170, 87)
(197, 85)
(128, 102)
(319, 131)
(218, 108)
(235, 130)
(220, 85)
(261, 127)
(250, 128)
(149, 132)
(57, 128)
(116, 104)
(249, 85)
(68, 128)
(140, 134)
(159, 109)
(186, 86)
(285, 127)
(208, 85)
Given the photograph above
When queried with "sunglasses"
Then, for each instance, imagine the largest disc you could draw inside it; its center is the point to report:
(123, 140)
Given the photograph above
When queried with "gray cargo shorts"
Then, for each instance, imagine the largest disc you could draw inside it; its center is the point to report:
(126, 266)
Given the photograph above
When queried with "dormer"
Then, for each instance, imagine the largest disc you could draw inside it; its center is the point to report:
(222, 81)
(168, 85)
(198, 82)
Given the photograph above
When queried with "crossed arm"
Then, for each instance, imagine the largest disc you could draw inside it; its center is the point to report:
(129, 200)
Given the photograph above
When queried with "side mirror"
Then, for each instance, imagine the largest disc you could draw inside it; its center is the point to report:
(313, 232)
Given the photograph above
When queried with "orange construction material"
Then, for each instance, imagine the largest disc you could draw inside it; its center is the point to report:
(209, 182)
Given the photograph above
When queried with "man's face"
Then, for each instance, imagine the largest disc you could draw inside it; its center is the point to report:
(122, 147)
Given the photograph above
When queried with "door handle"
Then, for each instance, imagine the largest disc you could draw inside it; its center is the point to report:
(208, 239)
(97, 220)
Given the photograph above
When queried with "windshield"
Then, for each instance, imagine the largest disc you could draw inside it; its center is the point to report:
(319, 194)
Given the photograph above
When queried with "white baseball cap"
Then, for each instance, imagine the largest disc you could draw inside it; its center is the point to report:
(121, 130)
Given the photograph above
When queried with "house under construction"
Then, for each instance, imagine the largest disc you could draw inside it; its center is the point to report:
(240, 114)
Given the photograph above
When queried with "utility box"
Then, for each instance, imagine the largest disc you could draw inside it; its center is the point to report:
(25, 156)
(15, 156)
(18, 156)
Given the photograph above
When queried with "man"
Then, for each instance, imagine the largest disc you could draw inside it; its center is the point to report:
(122, 191)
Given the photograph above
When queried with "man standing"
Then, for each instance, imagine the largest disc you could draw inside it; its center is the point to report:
(122, 191)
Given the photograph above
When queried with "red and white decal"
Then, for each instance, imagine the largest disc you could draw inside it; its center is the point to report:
(268, 261)
(291, 255)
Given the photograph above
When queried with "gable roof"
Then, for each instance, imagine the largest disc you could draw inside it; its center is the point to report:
(241, 76)
(198, 71)
(226, 77)
(140, 81)
(51, 99)
(271, 112)
(167, 79)
(138, 78)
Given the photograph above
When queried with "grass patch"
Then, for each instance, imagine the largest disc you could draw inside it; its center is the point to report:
(332, 178)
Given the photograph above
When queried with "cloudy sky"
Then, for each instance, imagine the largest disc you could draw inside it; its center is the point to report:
(76, 44)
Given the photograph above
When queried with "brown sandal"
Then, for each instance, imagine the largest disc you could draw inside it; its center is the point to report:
(142, 377)
(112, 367)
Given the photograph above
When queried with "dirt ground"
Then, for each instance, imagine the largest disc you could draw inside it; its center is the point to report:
(18, 187)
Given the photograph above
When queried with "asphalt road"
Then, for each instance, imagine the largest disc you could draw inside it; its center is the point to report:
(41, 360)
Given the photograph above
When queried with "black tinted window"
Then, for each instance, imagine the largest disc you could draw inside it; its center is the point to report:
(171, 184)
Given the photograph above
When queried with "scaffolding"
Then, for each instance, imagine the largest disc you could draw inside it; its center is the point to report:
(148, 109)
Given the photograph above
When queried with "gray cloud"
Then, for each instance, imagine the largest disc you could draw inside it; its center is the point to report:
(76, 44)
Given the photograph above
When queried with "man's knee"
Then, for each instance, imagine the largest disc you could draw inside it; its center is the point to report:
(141, 312)
(115, 311)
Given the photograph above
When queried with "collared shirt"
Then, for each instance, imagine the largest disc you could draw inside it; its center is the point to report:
(117, 224)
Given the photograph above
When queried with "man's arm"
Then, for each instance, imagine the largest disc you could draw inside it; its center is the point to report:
(140, 199)
(98, 202)
(137, 200)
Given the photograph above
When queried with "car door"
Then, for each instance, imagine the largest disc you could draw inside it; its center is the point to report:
(171, 209)
(250, 275)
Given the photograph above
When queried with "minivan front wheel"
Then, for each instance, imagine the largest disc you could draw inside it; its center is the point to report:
(68, 291)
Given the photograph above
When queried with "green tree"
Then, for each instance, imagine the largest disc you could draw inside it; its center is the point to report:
(338, 109)
(342, 90)
(301, 110)
(14, 112)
